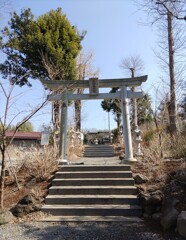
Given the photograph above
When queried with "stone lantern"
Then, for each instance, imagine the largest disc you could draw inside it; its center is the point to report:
(78, 133)
(111, 138)
(138, 140)
(72, 137)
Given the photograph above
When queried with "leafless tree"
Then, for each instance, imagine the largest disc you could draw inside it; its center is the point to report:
(165, 13)
(85, 69)
(133, 65)
(5, 7)
(5, 122)
(53, 72)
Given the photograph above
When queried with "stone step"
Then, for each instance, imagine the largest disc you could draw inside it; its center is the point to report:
(99, 190)
(93, 155)
(91, 199)
(95, 174)
(93, 181)
(87, 168)
(98, 150)
(92, 219)
(93, 210)
(99, 146)
(90, 192)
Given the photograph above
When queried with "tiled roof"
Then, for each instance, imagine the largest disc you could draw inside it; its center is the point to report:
(24, 135)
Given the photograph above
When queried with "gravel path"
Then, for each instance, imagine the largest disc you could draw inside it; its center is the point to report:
(84, 231)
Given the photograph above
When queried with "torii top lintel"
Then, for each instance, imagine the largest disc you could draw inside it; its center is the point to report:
(103, 83)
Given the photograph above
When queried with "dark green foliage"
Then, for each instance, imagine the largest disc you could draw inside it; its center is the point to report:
(116, 135)
(26, 127)
(114, 106)
(183, 107)
(144, 110)
(41, 48)
(148, 136)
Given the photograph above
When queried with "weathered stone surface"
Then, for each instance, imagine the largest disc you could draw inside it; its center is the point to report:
(150, 202)
(156, 216)
(154, 189)
(122, 156)
(181, 223)
(27, 199)
(5, 217)
(169, 214)
(20, 209)
(26, 205)
(139, 179)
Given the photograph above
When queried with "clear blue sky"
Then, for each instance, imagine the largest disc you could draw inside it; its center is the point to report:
(113, 33)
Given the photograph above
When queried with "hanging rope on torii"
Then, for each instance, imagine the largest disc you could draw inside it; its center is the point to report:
(93, 84)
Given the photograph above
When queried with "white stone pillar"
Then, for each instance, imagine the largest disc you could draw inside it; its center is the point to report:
(63, 128)
(126, 126)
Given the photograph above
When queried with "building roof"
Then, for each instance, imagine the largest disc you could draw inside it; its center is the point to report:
(25, 135)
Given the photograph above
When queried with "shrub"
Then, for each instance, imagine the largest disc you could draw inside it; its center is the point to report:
(148, 137)
(178, 148)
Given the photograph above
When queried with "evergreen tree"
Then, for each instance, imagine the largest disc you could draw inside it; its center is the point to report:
(144, 110)
(183, 107)
(42, 48)
(114, 106)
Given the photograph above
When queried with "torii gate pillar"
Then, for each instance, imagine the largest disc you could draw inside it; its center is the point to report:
(126, 126)
(63, 129)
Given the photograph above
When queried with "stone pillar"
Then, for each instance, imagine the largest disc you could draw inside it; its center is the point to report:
(63, 129)
(126, 126)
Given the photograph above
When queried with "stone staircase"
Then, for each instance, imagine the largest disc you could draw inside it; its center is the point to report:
(92, 193)
(99, 150)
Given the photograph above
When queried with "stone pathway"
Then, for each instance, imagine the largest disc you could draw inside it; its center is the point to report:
(97, 161)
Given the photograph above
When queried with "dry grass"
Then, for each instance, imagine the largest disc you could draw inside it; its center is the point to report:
(157, 151)
(74, 151)
(42, 163)
(38, 162)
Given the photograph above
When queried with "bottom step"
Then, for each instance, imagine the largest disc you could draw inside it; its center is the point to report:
(93, 210)
(90, 219)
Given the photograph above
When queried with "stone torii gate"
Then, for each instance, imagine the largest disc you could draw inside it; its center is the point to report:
(94, 84)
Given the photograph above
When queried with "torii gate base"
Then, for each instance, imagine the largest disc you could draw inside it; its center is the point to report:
(93, 84)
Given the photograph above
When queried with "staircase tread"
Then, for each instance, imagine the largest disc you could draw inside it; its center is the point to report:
(93, 187)
(91, 206)
(92, 196)
(87, 179)
(79, 166)
(96, 166)
(61, 172)
(90, 219)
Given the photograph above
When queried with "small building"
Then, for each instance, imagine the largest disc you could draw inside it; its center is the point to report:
(98, 136)
(25, 139)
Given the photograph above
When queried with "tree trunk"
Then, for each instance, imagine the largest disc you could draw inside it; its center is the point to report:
(56, 122)
(134, 103)
(77, 105)
(2, 178)
(172, 107)
(118, 116)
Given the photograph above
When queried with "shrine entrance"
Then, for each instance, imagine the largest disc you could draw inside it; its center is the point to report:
(93, 84)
